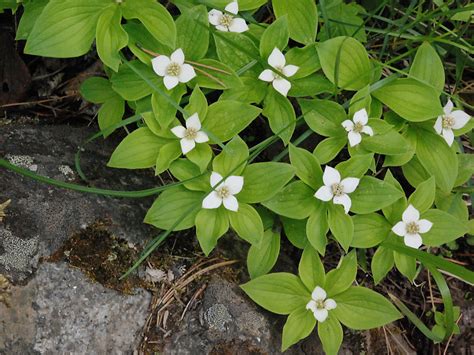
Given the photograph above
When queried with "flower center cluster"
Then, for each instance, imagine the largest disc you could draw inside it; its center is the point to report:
(223, 192)
(358, 127)
(337, 189)
(448, 122)
(173, 69)
(320, 304)
(412, 228)
(226, 20)
(190, 133)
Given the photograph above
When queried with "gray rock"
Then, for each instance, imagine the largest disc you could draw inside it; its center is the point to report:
(40, 217)
(60, 311)
(228, 322)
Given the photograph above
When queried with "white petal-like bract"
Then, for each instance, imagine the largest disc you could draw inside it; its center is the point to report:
(318, 294)
(211, 201)
(411, 214)
(331, 176)
(282, 86)
(276, 59)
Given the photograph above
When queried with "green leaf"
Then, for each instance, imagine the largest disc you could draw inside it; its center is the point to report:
(262, 181)
(226, 118)
(445, 228)
(138, 150)
(382, 263)
(295, 201)
(340, 279)
(130, 85)
(438, 159)
(299, 325)
(329, 148)
(31, 12)
(466, 168)
(341, 225)
(164, 111)
(362, 308)
(166, 155)
(307, 166)
(405, 264)
(138, 35)
(360, 100)
(411, 99)
(295, 231)
(414, 172)
(428, 67)
(97, 90)
(317, 227)
(210, 226)
(345, 62)
(261, 258)
(372, 195)
(311, 269)
(324, 116)
(237, 51)
(173, 204)
(393, 212)
(244, 5)
(232, 160)
(154, 17)
(110, 37)
(423, 197)
(183, 169)
(280, 293)
(280, 113)
(197, 103)
(369, 230)
(247, 223)
(224, 81)
(111, 112)
(275, 36)
(302, 18)
(311, 85)
(306, 59)
(453, 204)
(356, 166)
(201, 155)
(252, 91)
(65, 28)
(330, 333)
(193, 32)
(390, 143)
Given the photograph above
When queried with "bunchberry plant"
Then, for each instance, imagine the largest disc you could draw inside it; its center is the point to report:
(368, 159)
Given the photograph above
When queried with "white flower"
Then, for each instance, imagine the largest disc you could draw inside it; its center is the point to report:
(336, 190)
(357, 126)
(411, 226)
(277, 61)
(320, 305)
(173, 69)
(226, 22)
(224, 192)
(450, 120)
(191, 134)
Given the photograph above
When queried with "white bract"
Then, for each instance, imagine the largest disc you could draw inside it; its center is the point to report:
(173, 69)
(224, 191)
(320, 304)
(191, 134)
(225, 21)
(450, 120)
(336, 189)
(411, 226)
(277, 61)
(357, 126)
